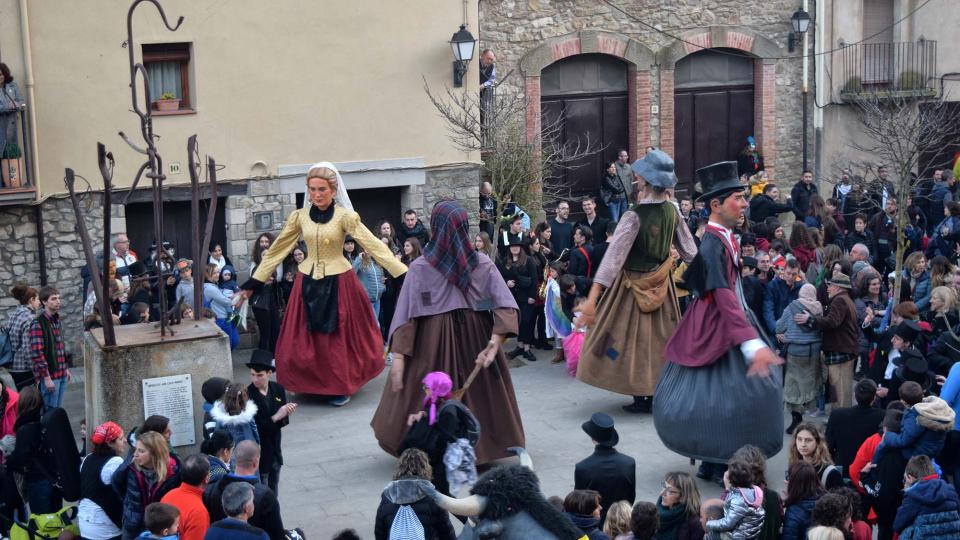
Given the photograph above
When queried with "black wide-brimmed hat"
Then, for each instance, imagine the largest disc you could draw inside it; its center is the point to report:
(600, 428)
(914, 367)
(719, 179)
(261, 360)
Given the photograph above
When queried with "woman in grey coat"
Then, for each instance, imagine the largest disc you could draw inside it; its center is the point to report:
(802, 380)
(10, 102)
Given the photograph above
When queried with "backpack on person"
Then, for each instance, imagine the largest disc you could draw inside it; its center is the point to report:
(469, 425)
(826, 473)
(6, 347)
(406, 525)
(60, 454)
(46, 526)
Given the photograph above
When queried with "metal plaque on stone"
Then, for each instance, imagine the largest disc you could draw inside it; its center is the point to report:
(171, 397)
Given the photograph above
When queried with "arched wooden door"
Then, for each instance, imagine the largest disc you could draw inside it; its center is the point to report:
(589, 93)
(713, 110)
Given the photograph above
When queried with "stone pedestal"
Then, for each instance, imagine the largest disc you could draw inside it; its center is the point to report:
(114, 375)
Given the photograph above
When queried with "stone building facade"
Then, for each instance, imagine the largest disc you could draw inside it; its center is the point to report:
(20, 258)
(529, 36)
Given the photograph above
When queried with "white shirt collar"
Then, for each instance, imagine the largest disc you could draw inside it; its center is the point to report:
(727, 231)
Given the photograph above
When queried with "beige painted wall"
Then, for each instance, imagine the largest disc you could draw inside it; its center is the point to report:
(284, 82)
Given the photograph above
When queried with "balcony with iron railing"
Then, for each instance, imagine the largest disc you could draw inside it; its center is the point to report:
(16, 183)
(888, 70)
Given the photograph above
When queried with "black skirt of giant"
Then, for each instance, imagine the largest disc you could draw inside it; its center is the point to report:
(709, 412)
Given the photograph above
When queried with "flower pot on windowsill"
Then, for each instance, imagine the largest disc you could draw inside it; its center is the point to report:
(167, 105)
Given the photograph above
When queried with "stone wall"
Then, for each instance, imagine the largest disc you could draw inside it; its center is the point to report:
(20, 256)
(513, 28)
(460, 183)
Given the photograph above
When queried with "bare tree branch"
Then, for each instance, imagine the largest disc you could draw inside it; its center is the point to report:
(897, 133)
(520, 168)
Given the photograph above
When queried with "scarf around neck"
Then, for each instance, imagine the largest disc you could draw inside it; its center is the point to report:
(670, 520)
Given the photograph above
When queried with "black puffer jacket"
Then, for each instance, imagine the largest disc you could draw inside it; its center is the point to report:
(410, 492)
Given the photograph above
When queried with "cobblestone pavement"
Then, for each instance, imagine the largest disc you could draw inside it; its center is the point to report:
(334, 470)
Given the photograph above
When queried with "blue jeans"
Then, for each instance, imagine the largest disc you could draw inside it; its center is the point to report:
(376, 310)
(617, 208)
(54, 398)
(231, 332)
(42, 497)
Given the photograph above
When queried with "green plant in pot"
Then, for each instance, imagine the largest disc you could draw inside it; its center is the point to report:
(168, 102)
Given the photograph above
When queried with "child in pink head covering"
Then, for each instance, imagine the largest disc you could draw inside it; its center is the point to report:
(438, 386)
(439, 431)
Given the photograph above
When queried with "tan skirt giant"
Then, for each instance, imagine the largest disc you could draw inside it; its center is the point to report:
(623, 352)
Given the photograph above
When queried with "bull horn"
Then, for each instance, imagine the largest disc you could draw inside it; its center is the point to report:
(471, 506)
(525, 459)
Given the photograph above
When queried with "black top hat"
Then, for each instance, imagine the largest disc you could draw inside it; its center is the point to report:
(907, 331)
(914, 367)
(261, 360)
(600, 429)
(719, 179)
(137, 269)
(516, 241)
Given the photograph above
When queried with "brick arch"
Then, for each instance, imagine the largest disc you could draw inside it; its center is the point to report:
(764, 80)
(639, 60)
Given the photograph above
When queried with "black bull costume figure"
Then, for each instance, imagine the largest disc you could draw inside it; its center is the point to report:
(506, 504)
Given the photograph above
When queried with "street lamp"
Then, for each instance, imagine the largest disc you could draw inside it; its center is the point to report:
(801, 22)
(463, 44)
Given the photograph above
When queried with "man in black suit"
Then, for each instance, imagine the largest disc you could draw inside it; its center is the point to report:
(847, 428)
(608, 472)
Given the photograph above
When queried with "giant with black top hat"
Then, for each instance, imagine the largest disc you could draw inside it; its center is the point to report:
(719, 179)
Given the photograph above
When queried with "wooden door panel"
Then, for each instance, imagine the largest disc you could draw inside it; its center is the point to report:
(683, 140)
(615, 124)
(599, 119)
(583, 122)
(710, 125)
(710, 129)
(741, 120)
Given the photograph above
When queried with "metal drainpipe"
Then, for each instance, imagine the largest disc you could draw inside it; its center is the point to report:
(41, 243)
(32, 109)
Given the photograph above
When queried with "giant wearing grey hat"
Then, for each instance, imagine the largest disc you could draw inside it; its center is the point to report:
(623, 350)
(656, 169)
